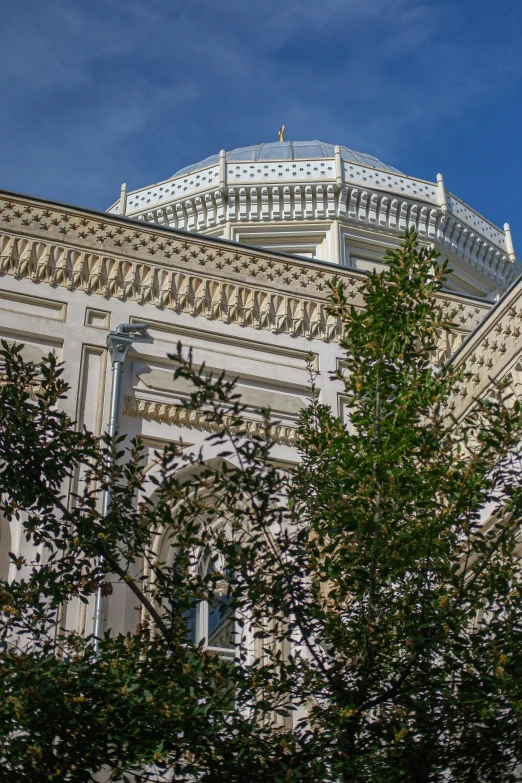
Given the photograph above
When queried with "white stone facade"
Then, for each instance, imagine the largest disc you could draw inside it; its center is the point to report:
(69, 275)
(342, 207)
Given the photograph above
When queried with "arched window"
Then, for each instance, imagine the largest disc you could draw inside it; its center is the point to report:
(212, 621)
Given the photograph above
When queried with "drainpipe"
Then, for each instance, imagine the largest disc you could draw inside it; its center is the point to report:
(118, 344)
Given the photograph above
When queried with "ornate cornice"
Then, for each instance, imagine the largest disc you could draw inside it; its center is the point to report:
(119, 258)
(176, 415)
(285, 191)
(459, 231)
(491, 351)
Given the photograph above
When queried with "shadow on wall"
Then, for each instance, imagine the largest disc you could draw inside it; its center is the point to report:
(5, 547)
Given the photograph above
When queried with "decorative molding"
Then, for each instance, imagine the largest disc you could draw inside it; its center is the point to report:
(176, 415)
(206, 277)
(326, 189)
(181, 186)
(173, 332)
(459, 231)
(490, 353)
(33, 305)
(98, 319)
(286, 181)
(34, 390)
(91, 388)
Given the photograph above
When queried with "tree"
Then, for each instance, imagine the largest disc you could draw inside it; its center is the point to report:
(362, 613)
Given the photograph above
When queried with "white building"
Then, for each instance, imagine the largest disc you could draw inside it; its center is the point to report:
(329, 203)
(231, 256)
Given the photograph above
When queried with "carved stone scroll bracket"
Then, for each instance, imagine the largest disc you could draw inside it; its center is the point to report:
(176, 415)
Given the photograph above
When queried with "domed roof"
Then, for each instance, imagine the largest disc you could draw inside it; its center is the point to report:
(290, 150)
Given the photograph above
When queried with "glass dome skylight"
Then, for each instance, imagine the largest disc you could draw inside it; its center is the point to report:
(290, 150)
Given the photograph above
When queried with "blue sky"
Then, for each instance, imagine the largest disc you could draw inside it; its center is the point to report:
(99, 92)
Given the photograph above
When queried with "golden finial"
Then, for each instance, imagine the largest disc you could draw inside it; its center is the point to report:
(281, 133)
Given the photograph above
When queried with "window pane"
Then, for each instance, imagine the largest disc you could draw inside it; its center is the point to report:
(190, 622)
(221, 625)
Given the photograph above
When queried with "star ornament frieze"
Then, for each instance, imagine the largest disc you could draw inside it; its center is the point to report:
(250, 274)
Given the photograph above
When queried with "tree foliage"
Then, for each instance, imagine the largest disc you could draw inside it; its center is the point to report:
(375, 588)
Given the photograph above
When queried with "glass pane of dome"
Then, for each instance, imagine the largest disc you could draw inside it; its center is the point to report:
(242, 153)
(279, 150)
(311, 149)
(347, 154)
(289, 150)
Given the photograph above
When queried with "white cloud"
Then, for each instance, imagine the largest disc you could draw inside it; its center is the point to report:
(132, 89)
